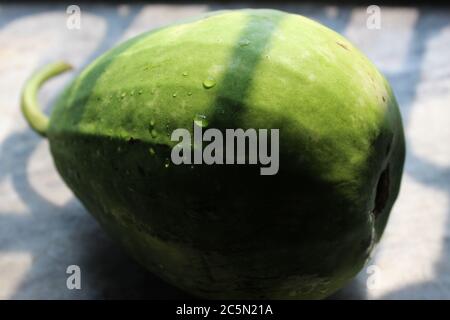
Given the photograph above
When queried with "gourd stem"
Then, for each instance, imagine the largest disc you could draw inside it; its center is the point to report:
(29, 104)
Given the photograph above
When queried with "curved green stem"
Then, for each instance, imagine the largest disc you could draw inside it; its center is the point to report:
(29, 104)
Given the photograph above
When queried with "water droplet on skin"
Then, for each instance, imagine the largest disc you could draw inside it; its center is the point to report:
(185, 74)
(244, 42)
(151, 151)
(123, 95)
(166, 163)
(140, 91)
(132, 93)
(189, 93)
(209, 83)
(151, 129)
(200, 120)
(174, 95)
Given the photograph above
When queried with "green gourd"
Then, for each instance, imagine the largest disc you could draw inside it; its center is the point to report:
(225, 231)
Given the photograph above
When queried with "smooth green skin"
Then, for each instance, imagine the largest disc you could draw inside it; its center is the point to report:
(224, 231)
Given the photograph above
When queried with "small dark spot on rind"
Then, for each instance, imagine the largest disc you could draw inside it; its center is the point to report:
(384, 99)
(343, 45)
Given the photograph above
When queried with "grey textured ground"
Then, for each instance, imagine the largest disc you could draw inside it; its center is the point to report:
(43, 228)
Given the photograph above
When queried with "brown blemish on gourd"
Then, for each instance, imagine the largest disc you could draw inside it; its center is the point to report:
(342, 45)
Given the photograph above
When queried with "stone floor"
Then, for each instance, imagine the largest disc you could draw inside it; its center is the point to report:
(43, 228)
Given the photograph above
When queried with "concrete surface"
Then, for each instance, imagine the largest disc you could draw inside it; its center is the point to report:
(43, 228)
